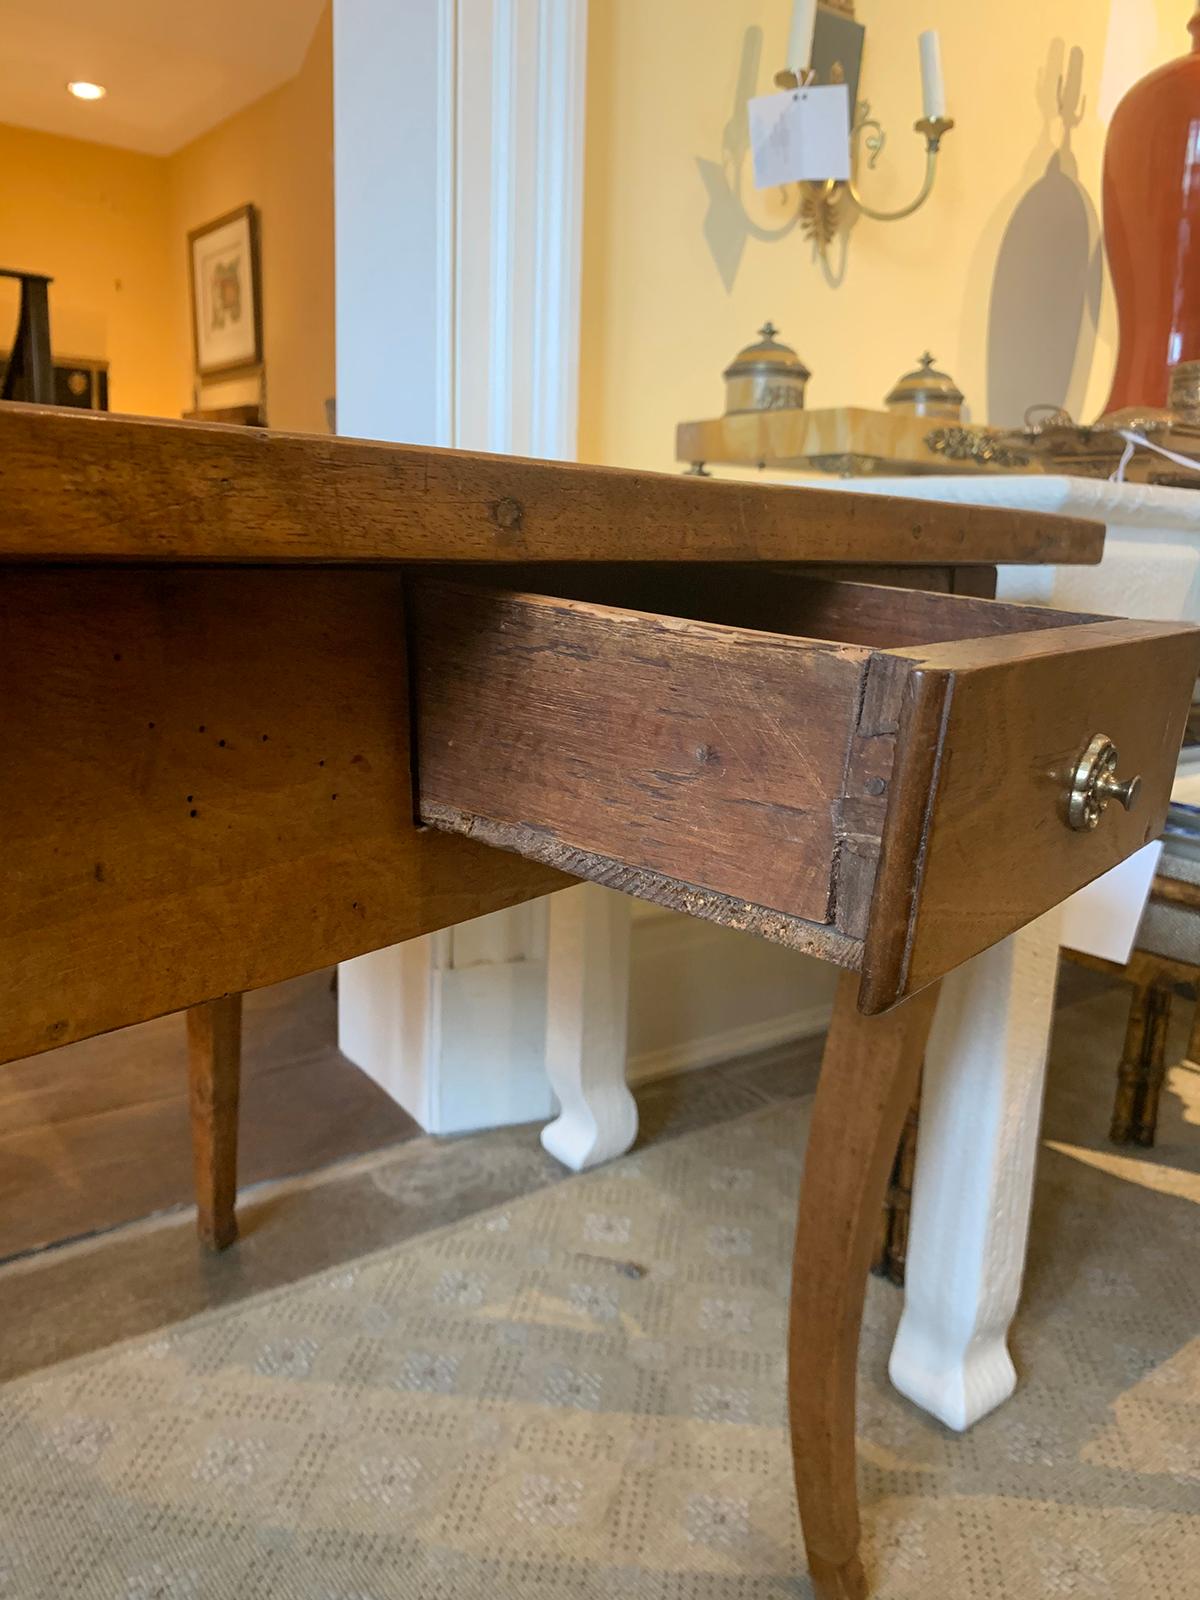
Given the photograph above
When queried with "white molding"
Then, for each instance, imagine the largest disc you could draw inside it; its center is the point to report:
(446, 227)
(667, 932)
(505, 148)
(558, 259)
(519, 216)
(458, 138)
(706, 1051)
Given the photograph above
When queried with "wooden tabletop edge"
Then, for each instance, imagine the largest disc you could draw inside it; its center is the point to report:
(81, 485)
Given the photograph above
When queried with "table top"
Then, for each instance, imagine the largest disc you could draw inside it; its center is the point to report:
(91, 487)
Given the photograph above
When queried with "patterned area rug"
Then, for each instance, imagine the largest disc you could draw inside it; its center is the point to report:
(582, 1395)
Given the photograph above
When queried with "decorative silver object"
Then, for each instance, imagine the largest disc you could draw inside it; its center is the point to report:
(974, 444)
(926, 392)
(767, 376)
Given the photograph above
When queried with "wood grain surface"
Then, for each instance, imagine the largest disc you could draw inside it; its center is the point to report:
(88, 486)
(852, 608)
(205, 782)
(214, 1036)
(868, 1078)
(708, 754)
(825, 941)
(96, 1134)
(912, 798)
(991, 732)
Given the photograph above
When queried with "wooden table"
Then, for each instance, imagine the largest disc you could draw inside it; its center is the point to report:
(274, 701)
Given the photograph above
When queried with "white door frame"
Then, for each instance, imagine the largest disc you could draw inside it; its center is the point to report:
(458, 159)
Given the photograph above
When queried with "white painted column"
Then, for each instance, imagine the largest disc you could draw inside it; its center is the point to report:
(458, 148)
(587, 1023)
(452, 1025)
(981, 1107)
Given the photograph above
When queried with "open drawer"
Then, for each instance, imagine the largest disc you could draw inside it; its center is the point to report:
(888, 778)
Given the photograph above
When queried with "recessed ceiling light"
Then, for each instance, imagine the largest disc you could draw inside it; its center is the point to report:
(82, 90)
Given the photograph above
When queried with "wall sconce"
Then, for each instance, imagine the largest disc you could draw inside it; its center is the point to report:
(821, 203)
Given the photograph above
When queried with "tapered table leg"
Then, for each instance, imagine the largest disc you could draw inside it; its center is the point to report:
(868, 1078)
(214, 1072)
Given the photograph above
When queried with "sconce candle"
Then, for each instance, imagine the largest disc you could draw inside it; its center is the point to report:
(800, 39)
(820, 200)
(933, 89)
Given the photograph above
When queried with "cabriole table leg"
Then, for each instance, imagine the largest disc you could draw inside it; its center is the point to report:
(868, 1077)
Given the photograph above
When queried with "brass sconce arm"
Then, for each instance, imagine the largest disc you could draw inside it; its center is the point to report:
(819, 210)
(869, 131)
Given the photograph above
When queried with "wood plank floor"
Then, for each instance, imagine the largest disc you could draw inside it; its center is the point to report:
(96, 1134)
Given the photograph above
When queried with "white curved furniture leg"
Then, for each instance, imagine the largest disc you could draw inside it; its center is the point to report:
(587, 1013)
(981, 1108)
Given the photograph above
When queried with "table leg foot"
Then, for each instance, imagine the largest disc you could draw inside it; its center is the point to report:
(868, 1078)
(975, 1380)
(845, 1582)
(214, 1032)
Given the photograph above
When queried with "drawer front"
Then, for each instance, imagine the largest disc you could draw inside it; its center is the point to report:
(896, 810)
(977, 840)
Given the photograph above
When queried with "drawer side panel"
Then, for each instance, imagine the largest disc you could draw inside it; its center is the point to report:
(714, 756)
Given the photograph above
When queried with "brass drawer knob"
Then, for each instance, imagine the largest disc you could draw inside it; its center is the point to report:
(1094, 783)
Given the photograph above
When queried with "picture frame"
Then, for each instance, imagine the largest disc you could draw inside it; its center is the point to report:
(225, 279)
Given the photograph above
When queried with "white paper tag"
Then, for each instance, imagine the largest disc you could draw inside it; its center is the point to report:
(800, 134)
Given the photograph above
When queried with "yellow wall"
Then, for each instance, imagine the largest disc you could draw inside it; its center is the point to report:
(94, 219)
(111, 227)
(277, 153)
(1013, 217)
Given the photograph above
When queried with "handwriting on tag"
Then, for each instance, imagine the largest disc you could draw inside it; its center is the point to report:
(800, 134)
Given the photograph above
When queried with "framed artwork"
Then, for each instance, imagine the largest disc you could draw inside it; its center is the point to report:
(226, 293)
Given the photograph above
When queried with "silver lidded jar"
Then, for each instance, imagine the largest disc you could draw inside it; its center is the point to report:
(926, 392)
(767, 376)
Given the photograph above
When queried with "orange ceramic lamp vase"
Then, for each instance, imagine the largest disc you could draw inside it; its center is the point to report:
(1152, 227)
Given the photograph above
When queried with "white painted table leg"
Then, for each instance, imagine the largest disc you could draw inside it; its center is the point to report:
(587, 1012)
(981, 1111)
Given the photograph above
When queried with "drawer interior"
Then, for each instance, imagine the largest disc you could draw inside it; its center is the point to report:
(805, 758)
(797, 601)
